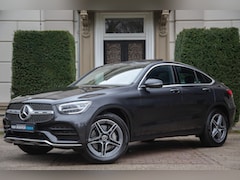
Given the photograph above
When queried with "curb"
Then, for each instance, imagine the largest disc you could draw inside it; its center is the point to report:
(237, 125)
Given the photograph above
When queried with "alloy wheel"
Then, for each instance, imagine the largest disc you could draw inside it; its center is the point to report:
(105, 138)
(218, 128)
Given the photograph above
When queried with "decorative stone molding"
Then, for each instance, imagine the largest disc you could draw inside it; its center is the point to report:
(163, 22)
(85, 22)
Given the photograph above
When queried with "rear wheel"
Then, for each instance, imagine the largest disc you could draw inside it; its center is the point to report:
(107, 139)
(35, 150)
(216, 129)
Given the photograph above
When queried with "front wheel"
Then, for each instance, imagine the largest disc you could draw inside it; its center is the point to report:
(107, 139)
(216, 129)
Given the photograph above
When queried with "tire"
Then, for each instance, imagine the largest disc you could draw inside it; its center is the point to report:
(216, 129)
(35, 150)
(108, 139)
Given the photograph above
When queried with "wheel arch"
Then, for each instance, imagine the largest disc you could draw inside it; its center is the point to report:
(224, 110)
(207, 137)
(99, 142)
(123, 114)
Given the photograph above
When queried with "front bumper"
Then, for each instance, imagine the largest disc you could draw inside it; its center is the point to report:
(44, 125)
(38, 142)
(62, 132)
(57, 139)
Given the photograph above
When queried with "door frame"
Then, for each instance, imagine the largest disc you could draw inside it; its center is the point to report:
(100, 35)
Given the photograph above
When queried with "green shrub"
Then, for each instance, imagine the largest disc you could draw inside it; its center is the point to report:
(42, 61)
(215, 51)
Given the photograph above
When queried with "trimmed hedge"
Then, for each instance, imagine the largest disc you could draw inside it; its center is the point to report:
(42, 61)
(215, 51)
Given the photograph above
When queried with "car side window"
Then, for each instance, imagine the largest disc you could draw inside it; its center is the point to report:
(186, 75)
(164, 73)
(203, 78)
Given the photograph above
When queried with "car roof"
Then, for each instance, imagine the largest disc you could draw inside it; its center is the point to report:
(153, 62)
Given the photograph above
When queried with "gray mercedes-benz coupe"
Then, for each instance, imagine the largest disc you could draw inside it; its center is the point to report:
(115, 104)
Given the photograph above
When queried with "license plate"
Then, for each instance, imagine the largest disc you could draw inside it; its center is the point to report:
(23, 127)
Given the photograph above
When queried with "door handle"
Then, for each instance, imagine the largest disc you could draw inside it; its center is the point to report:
(206, 89)
(175, 91)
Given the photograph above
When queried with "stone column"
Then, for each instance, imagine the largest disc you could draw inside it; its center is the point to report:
(161, 34)
(86, 41)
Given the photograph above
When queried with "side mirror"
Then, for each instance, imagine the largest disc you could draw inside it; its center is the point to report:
(153, 83)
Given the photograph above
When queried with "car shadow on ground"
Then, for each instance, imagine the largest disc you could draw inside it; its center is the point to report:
(163, 145)
(162, 151)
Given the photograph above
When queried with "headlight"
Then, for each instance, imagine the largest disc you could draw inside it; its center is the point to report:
(74, 107)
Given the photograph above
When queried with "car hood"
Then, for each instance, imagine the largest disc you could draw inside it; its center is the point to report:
(83, 92)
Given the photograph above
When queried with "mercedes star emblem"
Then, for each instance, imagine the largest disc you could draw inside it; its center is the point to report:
(25, 112)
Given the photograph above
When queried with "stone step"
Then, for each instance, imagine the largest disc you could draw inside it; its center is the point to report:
(3, 107)
(1, 123)
(2, 112)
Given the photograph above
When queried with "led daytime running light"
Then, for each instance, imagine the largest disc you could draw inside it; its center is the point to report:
(74, 107)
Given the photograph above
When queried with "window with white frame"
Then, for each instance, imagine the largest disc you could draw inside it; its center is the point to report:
(123, 28)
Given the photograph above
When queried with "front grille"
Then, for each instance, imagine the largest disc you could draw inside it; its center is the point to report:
(35, 106)
(41, 112)
(64, 132)
(33, 119)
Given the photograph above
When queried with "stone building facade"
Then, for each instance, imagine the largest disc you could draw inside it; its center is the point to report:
(107, 36)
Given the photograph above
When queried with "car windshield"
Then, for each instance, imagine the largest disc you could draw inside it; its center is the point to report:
(115, 74)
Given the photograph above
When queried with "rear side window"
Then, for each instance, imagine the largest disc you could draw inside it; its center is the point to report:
(186, 75)
(203, 78)
(190, 76)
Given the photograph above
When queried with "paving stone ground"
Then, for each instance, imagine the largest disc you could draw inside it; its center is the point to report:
(178, 153)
